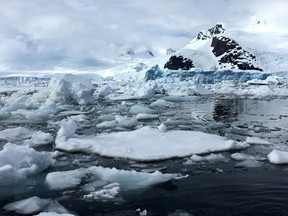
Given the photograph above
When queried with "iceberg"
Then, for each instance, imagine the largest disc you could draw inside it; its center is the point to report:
(65, 88)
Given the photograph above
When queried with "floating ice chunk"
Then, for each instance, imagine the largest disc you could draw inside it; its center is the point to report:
(27, 206)
(257, 82)
(231, 144)
(109, 191)
(67, 129)
(144, 116)
(106, 118)
(200, 90)
(15, 102)
(14, 134)
(39, 138)
(278, 157)
(126, 122)
(148, 144)
(175, 98)
(143, 213)
(130, 179)
(136, 109)
(162, 127)
(66, 88)
(257, 140)
(52, 214)
(32, 115)
(209, 158)
(65, 179)
(26, 136)
(104, 91)
(276, 80)
(250, 163)
(160, 103)
(48, 107)
(17, 162)
(260, 91)
(197, 158)
(180, 212)
(215, 157)
(35, 204)
(241, 156)
(107, 124)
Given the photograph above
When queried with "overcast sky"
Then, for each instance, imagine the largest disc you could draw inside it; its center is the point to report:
(61, 29)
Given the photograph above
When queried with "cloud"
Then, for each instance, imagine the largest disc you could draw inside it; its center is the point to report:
(43, 30)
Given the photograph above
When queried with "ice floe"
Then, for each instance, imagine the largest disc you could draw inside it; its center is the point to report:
(25, 136)
(136, 109)
(18, 162)
(105, 183)
(144, 144)
(65, 179)
(278, 157)
(257, 140)
(35, 204)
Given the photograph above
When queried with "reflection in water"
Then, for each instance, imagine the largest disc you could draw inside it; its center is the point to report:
(227, 110)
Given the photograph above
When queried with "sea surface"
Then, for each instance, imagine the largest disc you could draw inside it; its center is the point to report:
(212, 188)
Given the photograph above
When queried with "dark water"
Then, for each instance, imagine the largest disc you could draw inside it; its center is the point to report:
(212, 188)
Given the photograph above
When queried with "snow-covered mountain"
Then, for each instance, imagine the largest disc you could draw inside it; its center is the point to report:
(213, 50)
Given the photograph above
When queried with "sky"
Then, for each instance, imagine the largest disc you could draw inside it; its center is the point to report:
(46, 30)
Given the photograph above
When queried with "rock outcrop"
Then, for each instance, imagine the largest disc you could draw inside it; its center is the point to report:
(179, 62)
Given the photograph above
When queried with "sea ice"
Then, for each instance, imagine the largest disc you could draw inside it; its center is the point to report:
(14, 134)
(65, 179)
(160, 103)
(145, 144)
(109, 191)
(52, 214)
(144, 116)
(250, 163)
(136, 109)
(65, 88)
(241, 156)
(104, 91)
(27, 206)
(130, 179)
(105, 183)
(18, 162)
(257, 140)
(35, 204)
(26, 136)
(32, 115)
(278, 157)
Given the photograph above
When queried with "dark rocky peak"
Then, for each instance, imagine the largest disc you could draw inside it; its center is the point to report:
(230, 52)
(223, 45)
(176, 62)
(217, 29)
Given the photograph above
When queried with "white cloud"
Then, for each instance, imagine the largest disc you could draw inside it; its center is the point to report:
(79, 29)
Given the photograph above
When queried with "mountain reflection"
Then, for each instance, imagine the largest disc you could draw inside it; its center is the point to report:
(227, 110)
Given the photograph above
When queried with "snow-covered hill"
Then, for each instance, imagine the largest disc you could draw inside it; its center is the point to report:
(213, 50)
(253, 45)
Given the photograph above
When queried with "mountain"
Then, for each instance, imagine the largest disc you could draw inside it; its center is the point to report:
(213, 50)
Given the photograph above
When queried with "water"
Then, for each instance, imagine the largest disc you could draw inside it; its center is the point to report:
(212, 188)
